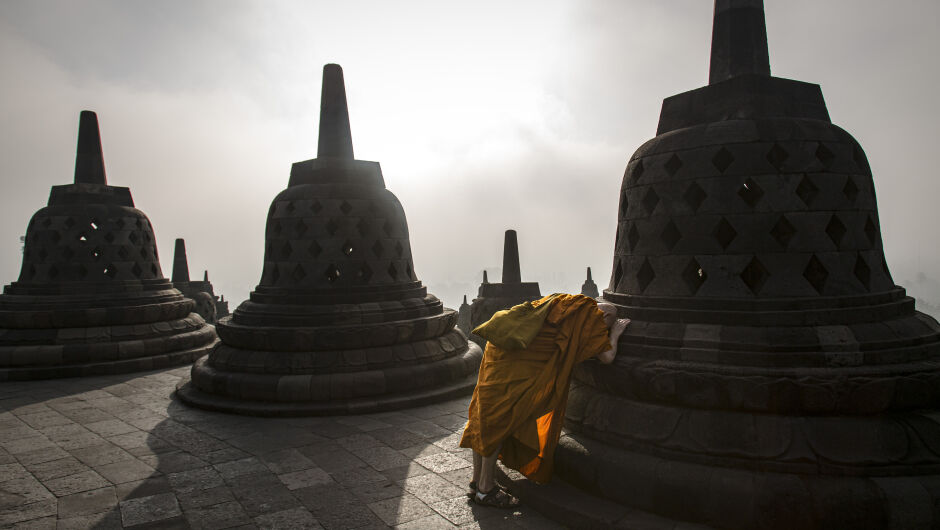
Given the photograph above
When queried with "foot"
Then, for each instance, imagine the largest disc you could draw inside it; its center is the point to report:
(496, 498)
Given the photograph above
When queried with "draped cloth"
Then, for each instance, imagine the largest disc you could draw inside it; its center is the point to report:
(521, 394)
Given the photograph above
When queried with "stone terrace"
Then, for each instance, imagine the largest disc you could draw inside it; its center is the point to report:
(121, 452)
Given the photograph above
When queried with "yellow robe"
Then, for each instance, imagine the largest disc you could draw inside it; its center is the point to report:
(521, 394)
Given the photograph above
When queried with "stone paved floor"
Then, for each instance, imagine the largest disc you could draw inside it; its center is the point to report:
(119, 451)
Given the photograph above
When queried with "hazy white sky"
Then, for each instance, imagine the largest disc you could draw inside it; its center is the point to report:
(485, 115)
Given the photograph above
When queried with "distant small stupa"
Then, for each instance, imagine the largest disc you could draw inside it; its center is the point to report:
(208, 305)
(463, 317)
(589, 288)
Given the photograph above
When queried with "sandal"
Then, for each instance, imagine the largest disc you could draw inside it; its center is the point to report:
(497, 498)
(473, 488)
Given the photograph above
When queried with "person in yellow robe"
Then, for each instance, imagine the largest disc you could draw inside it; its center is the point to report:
(518, 406)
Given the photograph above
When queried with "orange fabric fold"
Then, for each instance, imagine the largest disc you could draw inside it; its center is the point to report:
(520, 397)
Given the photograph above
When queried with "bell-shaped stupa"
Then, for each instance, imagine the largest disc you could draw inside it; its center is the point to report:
(209, 306)
(339, 322)
(463, 317)
(91, 297)
(589, 288)
(492, 297)
(773, 375)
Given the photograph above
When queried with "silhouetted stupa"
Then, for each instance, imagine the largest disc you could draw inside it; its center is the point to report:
(773, 375)
(91, 297)
(208, 305)
(589, 288)
(463, 317)
(340, 322)
(492, 297)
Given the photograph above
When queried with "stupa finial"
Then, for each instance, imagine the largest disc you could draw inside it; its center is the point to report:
(485, 279)
(205, 275)
(511, 272)
(89, 160)
(589, 275)
(335, 137)
(739, 40)
(465, 299)
(180, 265)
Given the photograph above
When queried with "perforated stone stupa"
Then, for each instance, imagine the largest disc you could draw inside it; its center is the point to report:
(589, 288)
(773, 375)
(492, 297)
(340, 322)
(209, 306)
(91, 297)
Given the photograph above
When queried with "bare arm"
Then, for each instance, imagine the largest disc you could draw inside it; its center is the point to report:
(615, 331)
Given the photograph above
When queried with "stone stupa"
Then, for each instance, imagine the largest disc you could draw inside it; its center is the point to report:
(773, 375)
(91, 297)
(463, 317)
(339, 322)
(209, 306)
(492, 297)
(589, 288)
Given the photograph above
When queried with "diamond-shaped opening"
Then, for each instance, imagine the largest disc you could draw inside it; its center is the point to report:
(862, 272)
(132, 237)
(286, 250)
(835, 230)
(276, 228)
(694, 276)
(673, 165)
(722, 159)
(755, 275)
(362, 227)
(650, 200)
(816, 274)
(670, 235)
(624, 204)
(387, 228)
(290, 207)
(633, 236)
(110, 271)
(377, 249)
(347, 248)
(618, 275)
(824, 155)
(638, 170)
(392, 271)
(694, 196)
(68, 253)
(860, 161)
(724, 233)
(300, 228)
(399, 249)
(345, 207)
(850, 190)
(777, 156)
(299, 273)
(783, 231)
(82, 238)
(96, 253)
(143, 252)
(807, 191)
(93, 224)
(315, 206)
(750, 192)
(56, 236)
(332, 273)
(136, 270)
(122, 252)
(314, 249)
(365, 272)
(871, 232)
(331, 226)
(54, 271)
(645, 275)
(69, 222)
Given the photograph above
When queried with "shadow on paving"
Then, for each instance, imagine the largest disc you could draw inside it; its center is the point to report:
(120, 452)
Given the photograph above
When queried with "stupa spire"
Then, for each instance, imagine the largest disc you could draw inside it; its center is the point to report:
(589, 275)
(335, 139)
(739, 40)
(89, 160)
(511, 272)
(205, 275)
(180, 264)
(485, 279)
